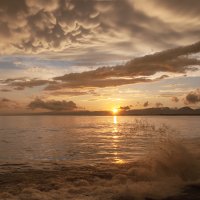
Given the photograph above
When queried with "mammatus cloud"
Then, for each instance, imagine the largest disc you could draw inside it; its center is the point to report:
(37, 25)
(175, 99)
(193, 97)
(53, 105)
(56, 25)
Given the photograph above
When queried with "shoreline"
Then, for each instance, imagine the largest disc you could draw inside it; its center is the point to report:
(90, 182)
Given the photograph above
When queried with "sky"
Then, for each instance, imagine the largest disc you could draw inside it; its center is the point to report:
(70, 55)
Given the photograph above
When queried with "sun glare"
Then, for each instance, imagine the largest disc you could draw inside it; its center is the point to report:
(115, 110)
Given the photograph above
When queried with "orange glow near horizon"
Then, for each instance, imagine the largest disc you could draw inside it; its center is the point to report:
(115, 111)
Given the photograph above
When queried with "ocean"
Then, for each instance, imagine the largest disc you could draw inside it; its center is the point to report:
(99, 157)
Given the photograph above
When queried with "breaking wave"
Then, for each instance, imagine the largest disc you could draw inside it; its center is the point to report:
(169, 170)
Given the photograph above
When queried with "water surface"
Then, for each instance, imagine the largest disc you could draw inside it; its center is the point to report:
(86, 138)
(99, 158)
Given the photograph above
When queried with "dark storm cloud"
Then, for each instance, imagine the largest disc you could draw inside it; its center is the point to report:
(193, 97)
(52, 105)
(38, 25)
(56, 25)
(123, 15)
(138, 70)
(173, 60)
(84, 83)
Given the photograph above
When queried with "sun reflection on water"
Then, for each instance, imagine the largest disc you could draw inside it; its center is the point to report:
(115, 137)
(115, 142)
(115, 119)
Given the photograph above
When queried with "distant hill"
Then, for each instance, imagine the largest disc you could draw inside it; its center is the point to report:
(146, 111)
(164, 111)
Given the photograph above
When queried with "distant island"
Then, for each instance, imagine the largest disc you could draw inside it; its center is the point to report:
(136, 112)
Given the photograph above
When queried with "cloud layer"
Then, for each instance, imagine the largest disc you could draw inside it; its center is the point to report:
(137, 70)
(35, 26)
(193, 97)
(52, 105)
(79, 48)
(41, 26)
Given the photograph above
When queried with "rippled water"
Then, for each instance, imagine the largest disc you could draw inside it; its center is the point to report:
(99, 158)
(92, 139)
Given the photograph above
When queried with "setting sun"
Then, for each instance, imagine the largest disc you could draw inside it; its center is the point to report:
(95, 105)
(115, 110)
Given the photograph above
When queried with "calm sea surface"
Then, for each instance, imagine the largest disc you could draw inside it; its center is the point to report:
(114, 139)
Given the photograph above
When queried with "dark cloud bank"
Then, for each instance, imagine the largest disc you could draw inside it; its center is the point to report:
(193, 97)
(55, 25)
(53, 105)
(38, 25)
(135, 71)
(138, 70)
